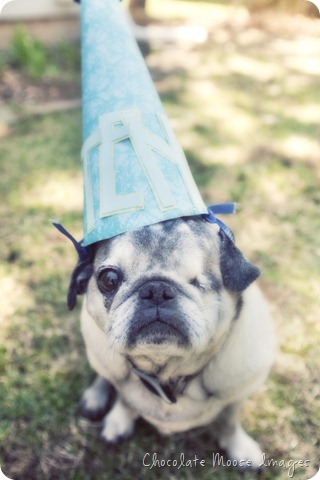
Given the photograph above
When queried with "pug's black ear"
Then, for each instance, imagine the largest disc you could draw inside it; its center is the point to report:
(79, 279)
(237, 272)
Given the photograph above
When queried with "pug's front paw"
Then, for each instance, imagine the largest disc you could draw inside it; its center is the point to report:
(118, 423)
(242, 448)
(96, 399)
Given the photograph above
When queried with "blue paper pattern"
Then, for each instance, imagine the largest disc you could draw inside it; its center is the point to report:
(135, 173)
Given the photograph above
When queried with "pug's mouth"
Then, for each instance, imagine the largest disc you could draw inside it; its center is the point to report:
(157, 328)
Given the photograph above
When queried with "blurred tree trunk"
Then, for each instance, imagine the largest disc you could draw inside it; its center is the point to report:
(138, 11)
(138, 4)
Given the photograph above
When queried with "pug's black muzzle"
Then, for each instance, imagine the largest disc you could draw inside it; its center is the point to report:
(158, 319)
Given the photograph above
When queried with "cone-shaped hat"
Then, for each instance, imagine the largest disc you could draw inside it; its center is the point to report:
(135, 172)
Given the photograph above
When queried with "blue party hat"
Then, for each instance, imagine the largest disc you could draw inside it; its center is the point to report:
(135, 172)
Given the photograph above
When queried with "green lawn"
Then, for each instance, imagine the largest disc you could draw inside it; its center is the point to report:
(245, 107)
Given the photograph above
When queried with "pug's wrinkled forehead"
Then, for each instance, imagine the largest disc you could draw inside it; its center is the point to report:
(188, 243)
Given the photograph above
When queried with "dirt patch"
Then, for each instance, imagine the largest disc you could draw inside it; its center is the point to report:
(16, 87)
(282, 25)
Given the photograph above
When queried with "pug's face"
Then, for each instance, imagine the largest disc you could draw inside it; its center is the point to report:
(168, 289)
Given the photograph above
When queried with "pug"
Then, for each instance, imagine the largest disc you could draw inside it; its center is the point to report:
(176, 330)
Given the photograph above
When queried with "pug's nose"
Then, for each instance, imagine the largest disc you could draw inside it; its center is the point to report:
(157, 292)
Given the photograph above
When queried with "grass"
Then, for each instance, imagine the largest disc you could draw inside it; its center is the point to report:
(38, 61)
(250, 137)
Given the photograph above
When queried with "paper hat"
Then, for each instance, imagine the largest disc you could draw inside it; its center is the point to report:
(135, 172)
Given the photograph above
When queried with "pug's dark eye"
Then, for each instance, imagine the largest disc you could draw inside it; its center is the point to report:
(109, 280)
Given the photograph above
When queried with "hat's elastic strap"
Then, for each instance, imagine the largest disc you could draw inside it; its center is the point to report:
(82, 251)
(222, 209)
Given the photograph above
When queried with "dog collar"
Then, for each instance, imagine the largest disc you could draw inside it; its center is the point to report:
(167, 392)
(152, 383)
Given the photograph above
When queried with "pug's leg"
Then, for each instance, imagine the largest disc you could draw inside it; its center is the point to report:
(233, 438)
(118, 423)
(96, 399)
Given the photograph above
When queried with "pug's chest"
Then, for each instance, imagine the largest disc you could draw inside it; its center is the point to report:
(193, 406)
